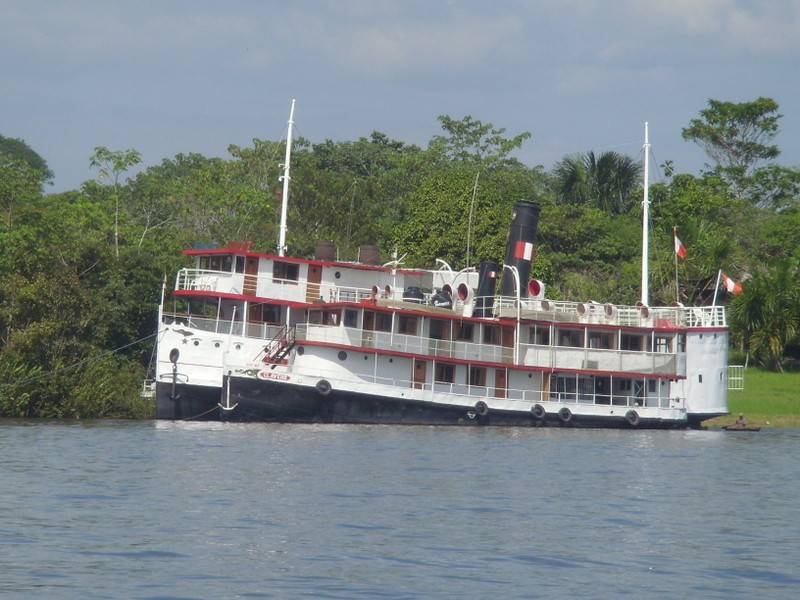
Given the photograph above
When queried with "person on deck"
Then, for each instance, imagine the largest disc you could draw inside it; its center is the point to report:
(741, 422)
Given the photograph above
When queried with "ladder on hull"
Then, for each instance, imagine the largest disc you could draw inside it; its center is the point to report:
(279, 346)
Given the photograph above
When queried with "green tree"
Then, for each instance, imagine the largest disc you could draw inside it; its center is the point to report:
(766, 315)
(737, 136)
(17, 150)
(608, 182)
(111, 165)
(470, 141)
(20, 185)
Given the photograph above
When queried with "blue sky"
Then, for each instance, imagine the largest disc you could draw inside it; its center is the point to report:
(165, 77)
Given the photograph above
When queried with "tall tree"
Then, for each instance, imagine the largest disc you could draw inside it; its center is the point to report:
(738, 139)
(13, 148)
(111, 165)
(736, 136)
(470, 141)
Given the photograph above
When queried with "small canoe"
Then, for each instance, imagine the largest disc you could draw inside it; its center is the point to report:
(734, 428)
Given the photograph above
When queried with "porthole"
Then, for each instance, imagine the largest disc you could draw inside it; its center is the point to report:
(337, 274)
(217, 344)
(238, 346)
(300, 351)
(197, 342)
(342, 355)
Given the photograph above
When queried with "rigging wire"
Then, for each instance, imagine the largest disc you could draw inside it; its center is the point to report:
(79, 363)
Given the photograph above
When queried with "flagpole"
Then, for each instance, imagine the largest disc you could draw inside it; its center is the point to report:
(645, 223)
(716, 289)
(677, 287)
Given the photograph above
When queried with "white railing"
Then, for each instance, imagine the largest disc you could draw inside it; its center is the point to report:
(209, 281)
(263, 331)
(558, 311)
(527, 397)
(735, 377)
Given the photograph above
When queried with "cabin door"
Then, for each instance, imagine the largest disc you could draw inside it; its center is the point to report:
(250, 276)
(602, 389)
(507, 341)
(420, 368)
(500, 382)
(313, 283)
(545, 386)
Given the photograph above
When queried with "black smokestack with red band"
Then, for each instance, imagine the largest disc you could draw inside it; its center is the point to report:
(521, 247)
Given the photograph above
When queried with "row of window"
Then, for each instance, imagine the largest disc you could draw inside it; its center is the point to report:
(461, 331)
(446, 373)
(229, 263)
(226, 263)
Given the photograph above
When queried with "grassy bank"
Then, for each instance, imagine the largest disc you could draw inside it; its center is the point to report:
(769, 399)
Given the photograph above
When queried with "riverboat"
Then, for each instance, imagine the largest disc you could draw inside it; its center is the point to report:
(268, 337)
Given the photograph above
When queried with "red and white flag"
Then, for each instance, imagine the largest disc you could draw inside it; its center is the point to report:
(730, 285)
(523, 250)
(680, 249)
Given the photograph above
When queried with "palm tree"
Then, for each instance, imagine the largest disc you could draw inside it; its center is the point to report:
(767, 313)
(607, 181)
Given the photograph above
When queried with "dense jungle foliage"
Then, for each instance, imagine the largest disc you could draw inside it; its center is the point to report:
(81, 271)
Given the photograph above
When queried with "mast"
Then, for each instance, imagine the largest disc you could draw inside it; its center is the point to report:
(285, 179)
(645, 222)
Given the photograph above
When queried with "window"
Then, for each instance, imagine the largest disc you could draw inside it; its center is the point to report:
(477, 376)
(445, 372)
(600, 340)
(662, 344)
(285, 272)
(383, 322)
(216, 263)
(571, 338)
(350, 318)
(539, 336)
(464, 332)
(630, 342)
(240, 264)
(564, 388)
(651, 385)
(271, 313)
(407, 325)
(491, 334)
(436, 329)
(369, 320)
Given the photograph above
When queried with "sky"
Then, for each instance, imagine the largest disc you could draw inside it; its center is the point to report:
(176, 76)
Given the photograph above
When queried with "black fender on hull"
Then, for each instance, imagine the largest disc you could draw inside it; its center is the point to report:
(281, 401)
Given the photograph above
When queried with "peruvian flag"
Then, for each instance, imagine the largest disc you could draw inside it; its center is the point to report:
(523, 250)
(680, 249)
(730, 285)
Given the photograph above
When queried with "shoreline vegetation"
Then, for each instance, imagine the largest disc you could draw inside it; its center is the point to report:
(769, 400)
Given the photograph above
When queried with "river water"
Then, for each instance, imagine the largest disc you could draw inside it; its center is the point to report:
(111, 509)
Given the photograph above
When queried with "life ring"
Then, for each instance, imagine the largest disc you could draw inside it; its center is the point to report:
(632, 417)
(481, 408)
(538, 411)
(323, 387)
(565, 415)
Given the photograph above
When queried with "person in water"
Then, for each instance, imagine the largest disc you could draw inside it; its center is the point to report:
(741, 422)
